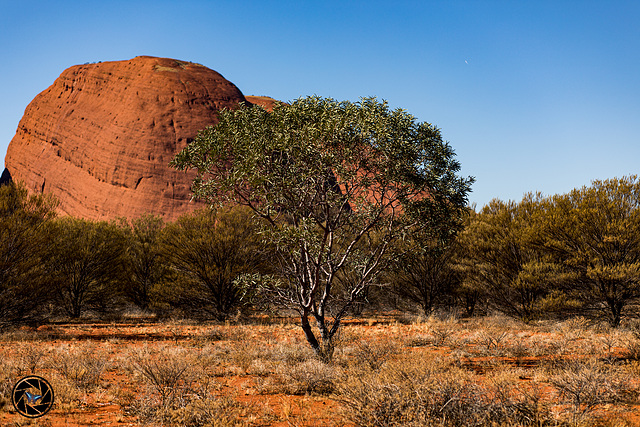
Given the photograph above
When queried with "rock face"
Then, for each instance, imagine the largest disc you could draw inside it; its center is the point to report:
(265, 102)
(101, 137)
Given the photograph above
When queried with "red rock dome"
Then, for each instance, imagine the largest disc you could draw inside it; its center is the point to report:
(100, 138)
(265, 102)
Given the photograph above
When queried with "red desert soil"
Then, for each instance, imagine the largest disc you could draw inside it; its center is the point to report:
(100, 138)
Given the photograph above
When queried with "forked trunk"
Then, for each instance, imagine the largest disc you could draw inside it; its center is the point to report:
(323, 348)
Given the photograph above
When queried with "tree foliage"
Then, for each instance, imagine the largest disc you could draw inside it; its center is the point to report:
(207, 251)
(24, 291)
(574, 253)
(86, 264)
(501, 260)
(146, 267)
(593, 234)
(426, 273)
(337, 184)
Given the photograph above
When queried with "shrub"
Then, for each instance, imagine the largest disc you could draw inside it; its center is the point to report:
(86, 264)
(585, 384)
(7, 380)
(81, 366)
(167, 371)
(309, 377)
(374, 354)
(418, 392)
(179, 396)
(31, 356)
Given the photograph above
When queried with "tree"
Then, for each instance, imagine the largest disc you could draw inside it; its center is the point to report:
(24, 291)
(147, 270)
(593, 235)
(337, 184)
(502, 261)
(86, 264)
(426, 273)
(208, 250)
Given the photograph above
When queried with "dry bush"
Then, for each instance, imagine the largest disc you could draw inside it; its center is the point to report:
(441, 330)
(634, 328)
(82, 366)
(7, 380)
(291, 369)
(517, 402)
(312, 376)
(374, 354)
(489, 341)
(422, 392)
(22, 335)
(585, 384)
(442, 333)
(226, 333)
(167, 371)
(208, 412)
(298, 371)
(496, 321)
(180, 391)
(542, 346)
(518, 348)
(242, 354)
(632, 341)
(238, 354)
(295, 412)
(245, 357)
(218, 334)
(289, 353)
(632, 350)
(67, 393)
(574, 328)
(31, 356)
(434, 332)
(420, 341)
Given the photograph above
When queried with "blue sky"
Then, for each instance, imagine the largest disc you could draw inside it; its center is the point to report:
(532, 95)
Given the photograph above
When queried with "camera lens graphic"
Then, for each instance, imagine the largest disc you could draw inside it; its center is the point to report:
(32, 396)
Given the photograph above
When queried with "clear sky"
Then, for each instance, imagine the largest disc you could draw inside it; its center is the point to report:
(533, 95)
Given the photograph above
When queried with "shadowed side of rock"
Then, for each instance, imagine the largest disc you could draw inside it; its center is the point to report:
(5, 178)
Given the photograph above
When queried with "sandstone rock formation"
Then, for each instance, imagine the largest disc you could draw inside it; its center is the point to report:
(265, 102)
(101, 137)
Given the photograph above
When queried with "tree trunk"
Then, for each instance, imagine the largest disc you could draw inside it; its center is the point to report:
(615, 307)
(308, 332)
(323, 348)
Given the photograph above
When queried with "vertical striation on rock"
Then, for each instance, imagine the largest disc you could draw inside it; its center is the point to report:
(100, 138)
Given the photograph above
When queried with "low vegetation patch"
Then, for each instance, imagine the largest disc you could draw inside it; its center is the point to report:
(487, 371)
